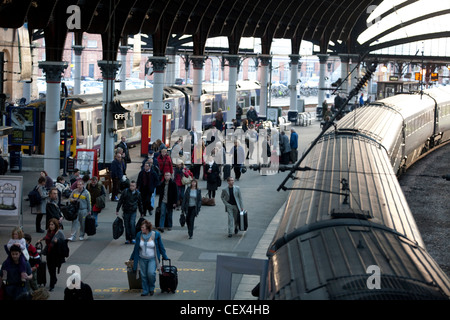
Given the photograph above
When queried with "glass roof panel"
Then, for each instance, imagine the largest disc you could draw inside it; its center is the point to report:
(402, 16)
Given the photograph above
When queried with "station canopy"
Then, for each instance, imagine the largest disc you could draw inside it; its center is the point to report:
(407, 27)
(335, 26)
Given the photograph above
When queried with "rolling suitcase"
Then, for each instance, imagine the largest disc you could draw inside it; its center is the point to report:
(168, 278)
(89, 225)
(243, 220)
(132, 281)
(226, 171)
(41, 272)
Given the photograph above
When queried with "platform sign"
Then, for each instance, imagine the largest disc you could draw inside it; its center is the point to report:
(87, 162)
(24, 122)
(418, 76)
(434, 76)
(11, 197)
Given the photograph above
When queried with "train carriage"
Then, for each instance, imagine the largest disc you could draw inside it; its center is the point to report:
(83, 113)
(347, 231)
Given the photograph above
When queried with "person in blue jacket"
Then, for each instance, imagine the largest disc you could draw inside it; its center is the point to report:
(117, 171)
(294, 145)
(146, 256)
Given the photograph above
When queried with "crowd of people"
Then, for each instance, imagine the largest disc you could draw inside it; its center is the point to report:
(163, 176)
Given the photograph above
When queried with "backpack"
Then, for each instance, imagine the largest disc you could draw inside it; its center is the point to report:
(35, 197)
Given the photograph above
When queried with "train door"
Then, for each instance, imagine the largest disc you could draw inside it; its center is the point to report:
(84, 130)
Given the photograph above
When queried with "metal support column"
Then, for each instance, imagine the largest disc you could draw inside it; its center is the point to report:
(198, 62)
(109, 71)
(322, 74)
(265, 61)
(233, 65)
(159, 66)
(78, 50)
(293, 85)
(53, 73)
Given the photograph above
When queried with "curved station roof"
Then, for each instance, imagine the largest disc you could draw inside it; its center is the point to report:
(338, 26)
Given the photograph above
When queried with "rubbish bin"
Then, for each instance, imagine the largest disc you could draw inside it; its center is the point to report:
(293, 116)
(15, 161)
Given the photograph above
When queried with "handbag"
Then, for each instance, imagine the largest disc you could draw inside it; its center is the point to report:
(182, 219)
(70, 211)
(186, 180)
(100, 202)
(118, 228)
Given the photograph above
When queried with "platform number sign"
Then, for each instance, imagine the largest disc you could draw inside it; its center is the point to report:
(167, 105)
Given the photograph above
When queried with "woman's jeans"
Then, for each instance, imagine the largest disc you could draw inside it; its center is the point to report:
(147, 269)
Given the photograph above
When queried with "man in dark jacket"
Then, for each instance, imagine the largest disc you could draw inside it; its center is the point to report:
(148, 180)
(117, 172)
(123, 144)
(130, 201)
(252, 116)
(52, 209)
(167, 201)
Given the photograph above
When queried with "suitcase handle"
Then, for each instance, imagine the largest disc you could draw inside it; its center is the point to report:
(170, 263)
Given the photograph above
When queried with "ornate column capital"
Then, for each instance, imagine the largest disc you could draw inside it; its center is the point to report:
(108, 68)
(158, 63)
(198, 61)
(323, 58)
(265, 59)
(344, 58)
(295, 58)
(78, 49)
(53, 70)
(233, 60)
(355, 58)
(124, 50)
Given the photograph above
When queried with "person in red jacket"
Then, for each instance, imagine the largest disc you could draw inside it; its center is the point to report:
(165, 163)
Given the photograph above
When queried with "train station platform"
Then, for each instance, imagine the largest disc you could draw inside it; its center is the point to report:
(101, 259)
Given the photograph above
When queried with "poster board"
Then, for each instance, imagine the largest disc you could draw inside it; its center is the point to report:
(87, 162)
(24, 122)
(11, 198)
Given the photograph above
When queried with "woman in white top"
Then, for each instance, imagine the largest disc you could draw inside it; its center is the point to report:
(146, 255)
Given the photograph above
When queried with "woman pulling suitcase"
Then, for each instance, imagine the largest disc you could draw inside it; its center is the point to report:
(146, 256)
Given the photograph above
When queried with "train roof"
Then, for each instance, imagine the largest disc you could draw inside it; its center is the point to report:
(125, 96)
(335, 264)
(374, 198)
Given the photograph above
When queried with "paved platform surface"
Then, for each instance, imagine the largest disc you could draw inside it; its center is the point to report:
(101, 259)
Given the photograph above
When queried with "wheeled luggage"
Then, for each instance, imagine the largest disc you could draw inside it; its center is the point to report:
(208, 201)
(139, 224)
(41, 272)
(118, 228)
(226, 171)
(168, 277)
(89, 225)
(243, 220)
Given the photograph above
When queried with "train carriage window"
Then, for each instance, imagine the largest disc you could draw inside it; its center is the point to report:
(216, 105)
(80, 127)
(129, 121)
(120, 124)
(99, 125)
(137, 119)
(208, 106)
